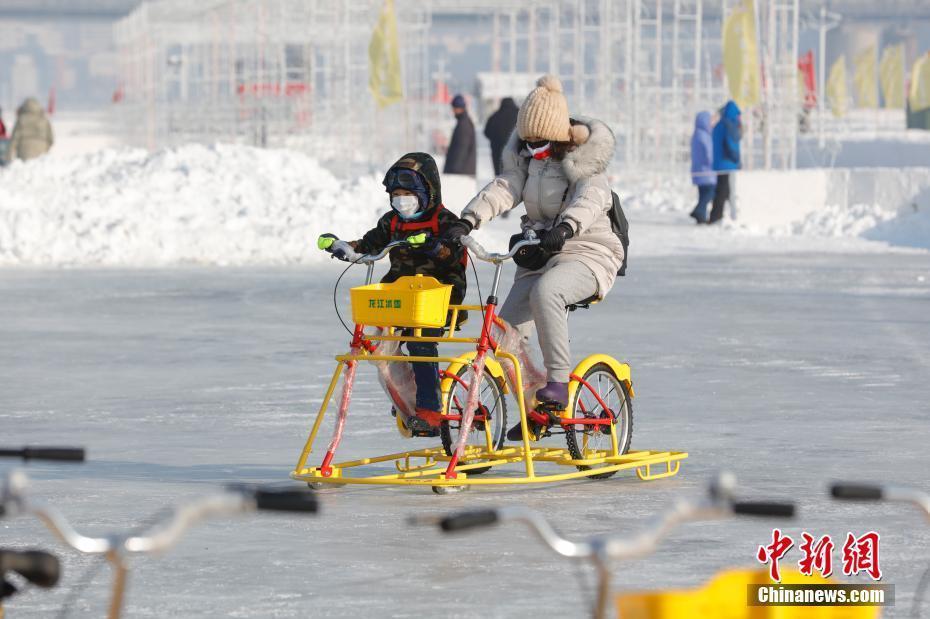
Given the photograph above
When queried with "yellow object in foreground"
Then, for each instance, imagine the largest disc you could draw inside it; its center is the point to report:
(725, 597)
(414, 301)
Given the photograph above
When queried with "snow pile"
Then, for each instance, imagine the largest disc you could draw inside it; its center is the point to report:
(836, 221)
(237, 205)
(909, 229)
(191, 205)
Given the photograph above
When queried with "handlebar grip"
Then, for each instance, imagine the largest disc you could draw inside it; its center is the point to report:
(286, 501)
(64, 454)
(468, 520)
(38, 567)
(764, 508)
(854, 491)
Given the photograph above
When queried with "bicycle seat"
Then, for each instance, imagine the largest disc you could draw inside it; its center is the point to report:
(585, 304)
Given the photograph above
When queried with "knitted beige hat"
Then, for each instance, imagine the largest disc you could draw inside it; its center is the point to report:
(544, 113)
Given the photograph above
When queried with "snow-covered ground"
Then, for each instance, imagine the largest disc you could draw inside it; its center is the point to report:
(236, 205)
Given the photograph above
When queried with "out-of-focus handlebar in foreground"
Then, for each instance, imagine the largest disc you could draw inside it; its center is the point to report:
(859, 491)
(62, 454)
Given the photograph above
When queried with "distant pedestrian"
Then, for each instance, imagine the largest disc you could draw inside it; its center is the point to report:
(498, 129)
(702, 166)
(32, 135)
(3, 135)
(726, 135)
(460, 158)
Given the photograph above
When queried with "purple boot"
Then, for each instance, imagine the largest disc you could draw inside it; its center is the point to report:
(555, 397)
(554, 393)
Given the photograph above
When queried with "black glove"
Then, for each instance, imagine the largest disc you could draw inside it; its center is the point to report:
(456, 231)
(553, 240)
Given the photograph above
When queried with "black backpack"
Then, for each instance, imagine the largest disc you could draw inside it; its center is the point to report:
(621, 228)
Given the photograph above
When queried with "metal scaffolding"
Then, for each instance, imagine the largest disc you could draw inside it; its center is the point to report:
(294, 73)
(287, 73)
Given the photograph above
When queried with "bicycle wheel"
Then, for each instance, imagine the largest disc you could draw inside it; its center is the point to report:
(585, 439)
(489, 433)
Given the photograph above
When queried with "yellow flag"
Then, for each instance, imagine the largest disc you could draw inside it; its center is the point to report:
(919, 95)
(836, 87)
(384, 79)
(891, 76)
(741, 55)
(865, 79)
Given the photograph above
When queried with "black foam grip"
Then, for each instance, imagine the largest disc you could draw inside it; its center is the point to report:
(768, 509)
(69, 454)
(853, 491)
(38, 567)
(468, 520)
(286, 501)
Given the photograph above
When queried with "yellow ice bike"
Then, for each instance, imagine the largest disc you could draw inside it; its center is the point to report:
(597, 423)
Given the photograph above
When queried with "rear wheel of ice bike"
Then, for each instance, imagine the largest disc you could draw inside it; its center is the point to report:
(583, 440)
(487, 434)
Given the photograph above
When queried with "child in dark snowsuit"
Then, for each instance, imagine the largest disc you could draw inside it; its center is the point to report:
(416, 207)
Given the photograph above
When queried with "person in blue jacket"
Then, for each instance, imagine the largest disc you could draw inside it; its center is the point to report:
(726, 135)
(702, 166)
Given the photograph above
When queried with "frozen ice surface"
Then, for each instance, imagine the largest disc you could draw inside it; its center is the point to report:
(792, 369)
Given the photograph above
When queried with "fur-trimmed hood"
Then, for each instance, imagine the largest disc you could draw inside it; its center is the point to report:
(592, 155)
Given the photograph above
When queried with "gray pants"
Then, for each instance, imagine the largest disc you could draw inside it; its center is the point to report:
(540, 297)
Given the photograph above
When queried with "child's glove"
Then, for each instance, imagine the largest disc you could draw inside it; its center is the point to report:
(430, 245)
(345, 252)
(325, 241)
(456, 231)
(339, 249)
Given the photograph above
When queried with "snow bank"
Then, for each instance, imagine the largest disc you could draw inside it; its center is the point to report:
(237, 205)
(191, 205)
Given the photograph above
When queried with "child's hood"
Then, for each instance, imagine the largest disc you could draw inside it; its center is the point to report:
(425, 165)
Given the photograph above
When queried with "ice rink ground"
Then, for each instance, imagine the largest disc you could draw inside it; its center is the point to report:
(790, 370)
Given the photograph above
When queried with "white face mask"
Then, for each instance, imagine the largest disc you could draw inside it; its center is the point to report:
(406, 206)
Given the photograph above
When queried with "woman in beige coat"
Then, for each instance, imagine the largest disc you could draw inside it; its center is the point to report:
(556, 166)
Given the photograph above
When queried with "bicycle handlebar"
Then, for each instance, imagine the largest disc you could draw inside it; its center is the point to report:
(62, 454)
(765, 509)
(478, 251)
(846, 491)
(38, 567)
(468, 520)
(234, 500)
(717, 504)
(858, 491)
(286, 501)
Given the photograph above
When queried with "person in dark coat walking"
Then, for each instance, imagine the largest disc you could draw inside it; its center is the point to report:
(498, 129)
(461, 158)
(726, 137)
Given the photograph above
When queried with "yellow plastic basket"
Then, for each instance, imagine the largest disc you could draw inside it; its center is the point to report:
(411, 301)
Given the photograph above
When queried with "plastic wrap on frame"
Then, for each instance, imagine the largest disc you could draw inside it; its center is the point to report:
(471, 405)
(348, 380)
(510, 340)
(397, 379)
